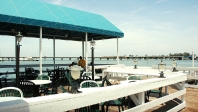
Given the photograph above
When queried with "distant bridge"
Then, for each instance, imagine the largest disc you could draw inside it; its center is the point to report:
(101, 58)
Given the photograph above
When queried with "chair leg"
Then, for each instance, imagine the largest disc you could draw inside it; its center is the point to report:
(68, 87)
(119, 108)
(107, 108)
(160, 95)
(148, 94)
(122, 108)
(103, 110)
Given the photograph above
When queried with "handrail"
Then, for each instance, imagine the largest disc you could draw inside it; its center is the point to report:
(65, 101)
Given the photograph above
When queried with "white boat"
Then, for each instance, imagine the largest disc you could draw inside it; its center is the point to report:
(27, 59)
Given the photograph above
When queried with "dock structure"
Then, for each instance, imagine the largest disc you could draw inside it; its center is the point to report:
(97, 57)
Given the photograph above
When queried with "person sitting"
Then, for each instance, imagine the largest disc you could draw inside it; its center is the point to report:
(81, 62)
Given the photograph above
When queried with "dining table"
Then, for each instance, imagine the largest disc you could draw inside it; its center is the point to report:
(38, 83)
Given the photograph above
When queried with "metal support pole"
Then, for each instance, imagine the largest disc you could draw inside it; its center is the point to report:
(54, 52)
(86, 52)
(117, 53)
(83, 49)
(40, 53)
(193, 58)
(92, 59)
(17, 64)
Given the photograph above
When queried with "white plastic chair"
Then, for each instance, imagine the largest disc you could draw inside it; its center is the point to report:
(11, 91)
(89, 84)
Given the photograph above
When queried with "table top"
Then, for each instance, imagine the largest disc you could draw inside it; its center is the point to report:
(40, 82)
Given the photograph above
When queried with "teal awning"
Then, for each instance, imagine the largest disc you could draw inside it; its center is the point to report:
(62, 22)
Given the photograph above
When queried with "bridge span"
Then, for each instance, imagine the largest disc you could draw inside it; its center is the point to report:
(100, 58)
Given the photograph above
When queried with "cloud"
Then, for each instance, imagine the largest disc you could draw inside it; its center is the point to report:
(138, 10)
(168, 12)
(195, 6)
(160, 1)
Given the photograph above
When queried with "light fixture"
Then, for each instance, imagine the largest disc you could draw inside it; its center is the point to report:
(19, 37)
(135, 64)
(174, 65)
(92, 44)
(66, 35)
(161, 68)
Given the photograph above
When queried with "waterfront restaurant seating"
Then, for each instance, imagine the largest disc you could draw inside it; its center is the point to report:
(28, 88)
(3, 79)
(53, 87)
(61, 72)
(85, 76)
(50, 74)
(90, 84)
(69, 81)
(30, 73)
(21, 75)
(129, 102)
(118, 102)
(63, 89)
(55, 74)
(155, 91)
(11, 91)
(42, 88)
(133, 77)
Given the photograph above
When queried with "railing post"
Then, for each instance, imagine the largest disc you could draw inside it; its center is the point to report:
(183, 96)
(141, 98)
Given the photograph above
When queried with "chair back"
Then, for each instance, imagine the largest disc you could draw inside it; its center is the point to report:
(75, 72)
(133, 78)
(63, 89)
(50, 73)
(11, 91)
(55, 85)
(105, 80)
(62, 72)
(88, 84)
(29, 70)
(68, 77)
(28, 88)
(30, 73)
(86, 74)
(4, 78)
(43, 77)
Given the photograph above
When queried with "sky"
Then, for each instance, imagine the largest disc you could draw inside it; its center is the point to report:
(150, 27)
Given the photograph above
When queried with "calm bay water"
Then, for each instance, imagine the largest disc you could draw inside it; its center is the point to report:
(147, 63)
